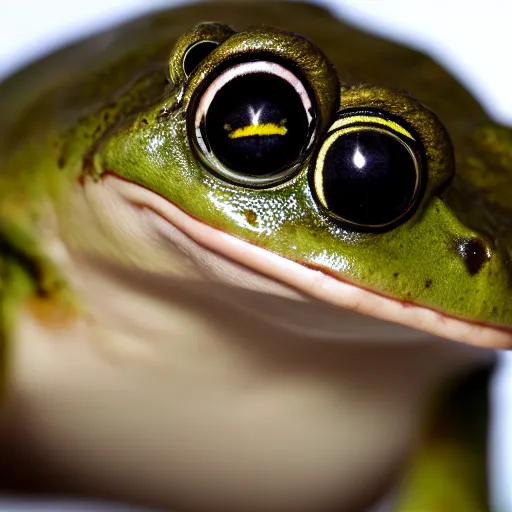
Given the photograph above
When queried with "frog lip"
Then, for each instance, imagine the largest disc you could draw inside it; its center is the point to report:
(315, 282)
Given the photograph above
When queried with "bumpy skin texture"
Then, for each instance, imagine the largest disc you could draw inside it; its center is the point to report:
(106, 105)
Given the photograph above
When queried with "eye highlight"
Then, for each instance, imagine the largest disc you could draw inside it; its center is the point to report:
(254, 123)
(368, 173)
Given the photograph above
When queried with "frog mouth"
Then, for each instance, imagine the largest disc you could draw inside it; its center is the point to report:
(312, 282)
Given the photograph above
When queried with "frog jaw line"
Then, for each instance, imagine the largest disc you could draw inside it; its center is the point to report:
(312, 282)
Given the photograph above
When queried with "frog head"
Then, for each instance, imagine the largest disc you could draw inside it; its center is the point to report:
(351, 193)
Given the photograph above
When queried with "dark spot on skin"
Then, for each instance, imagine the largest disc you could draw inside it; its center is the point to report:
(251, 217)
(144, 121)
(61, 162)
(494, 309)
(473, 252)
(408, 294)
(396, 274)
(428, 283)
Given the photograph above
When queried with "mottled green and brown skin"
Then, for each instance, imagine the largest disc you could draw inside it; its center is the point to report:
(87, 110)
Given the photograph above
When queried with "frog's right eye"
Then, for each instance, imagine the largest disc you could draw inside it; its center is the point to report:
(369, 173)
(254, 122)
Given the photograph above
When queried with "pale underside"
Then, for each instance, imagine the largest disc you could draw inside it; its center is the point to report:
(192, 371)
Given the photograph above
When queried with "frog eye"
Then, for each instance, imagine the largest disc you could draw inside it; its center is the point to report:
(196, 53)
(254, 123)
(368, 173)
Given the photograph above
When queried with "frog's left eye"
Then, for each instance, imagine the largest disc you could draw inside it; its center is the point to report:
(368, 173)
(255, 122)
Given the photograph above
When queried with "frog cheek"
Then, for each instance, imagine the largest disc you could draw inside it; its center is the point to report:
(471, 271)
(461, 244)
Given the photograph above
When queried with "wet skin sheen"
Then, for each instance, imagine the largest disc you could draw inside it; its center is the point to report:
(256, 264)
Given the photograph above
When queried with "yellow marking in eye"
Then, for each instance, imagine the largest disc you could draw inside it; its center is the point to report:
(258, 129)
(362, 119)
(355, 120)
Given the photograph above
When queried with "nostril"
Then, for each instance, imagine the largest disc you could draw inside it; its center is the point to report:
(474, 252)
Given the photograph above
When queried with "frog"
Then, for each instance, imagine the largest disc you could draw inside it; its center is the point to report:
(252, 258)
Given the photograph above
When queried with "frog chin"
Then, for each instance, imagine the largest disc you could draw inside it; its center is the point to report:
(263, 271)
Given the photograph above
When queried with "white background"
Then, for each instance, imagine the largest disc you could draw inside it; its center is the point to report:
(472, 37)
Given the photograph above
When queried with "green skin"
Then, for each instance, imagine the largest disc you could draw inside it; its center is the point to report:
(118, 114)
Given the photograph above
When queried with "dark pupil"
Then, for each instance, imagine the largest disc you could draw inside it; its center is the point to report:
(256, 125)
(196, 53)
(369, 178)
